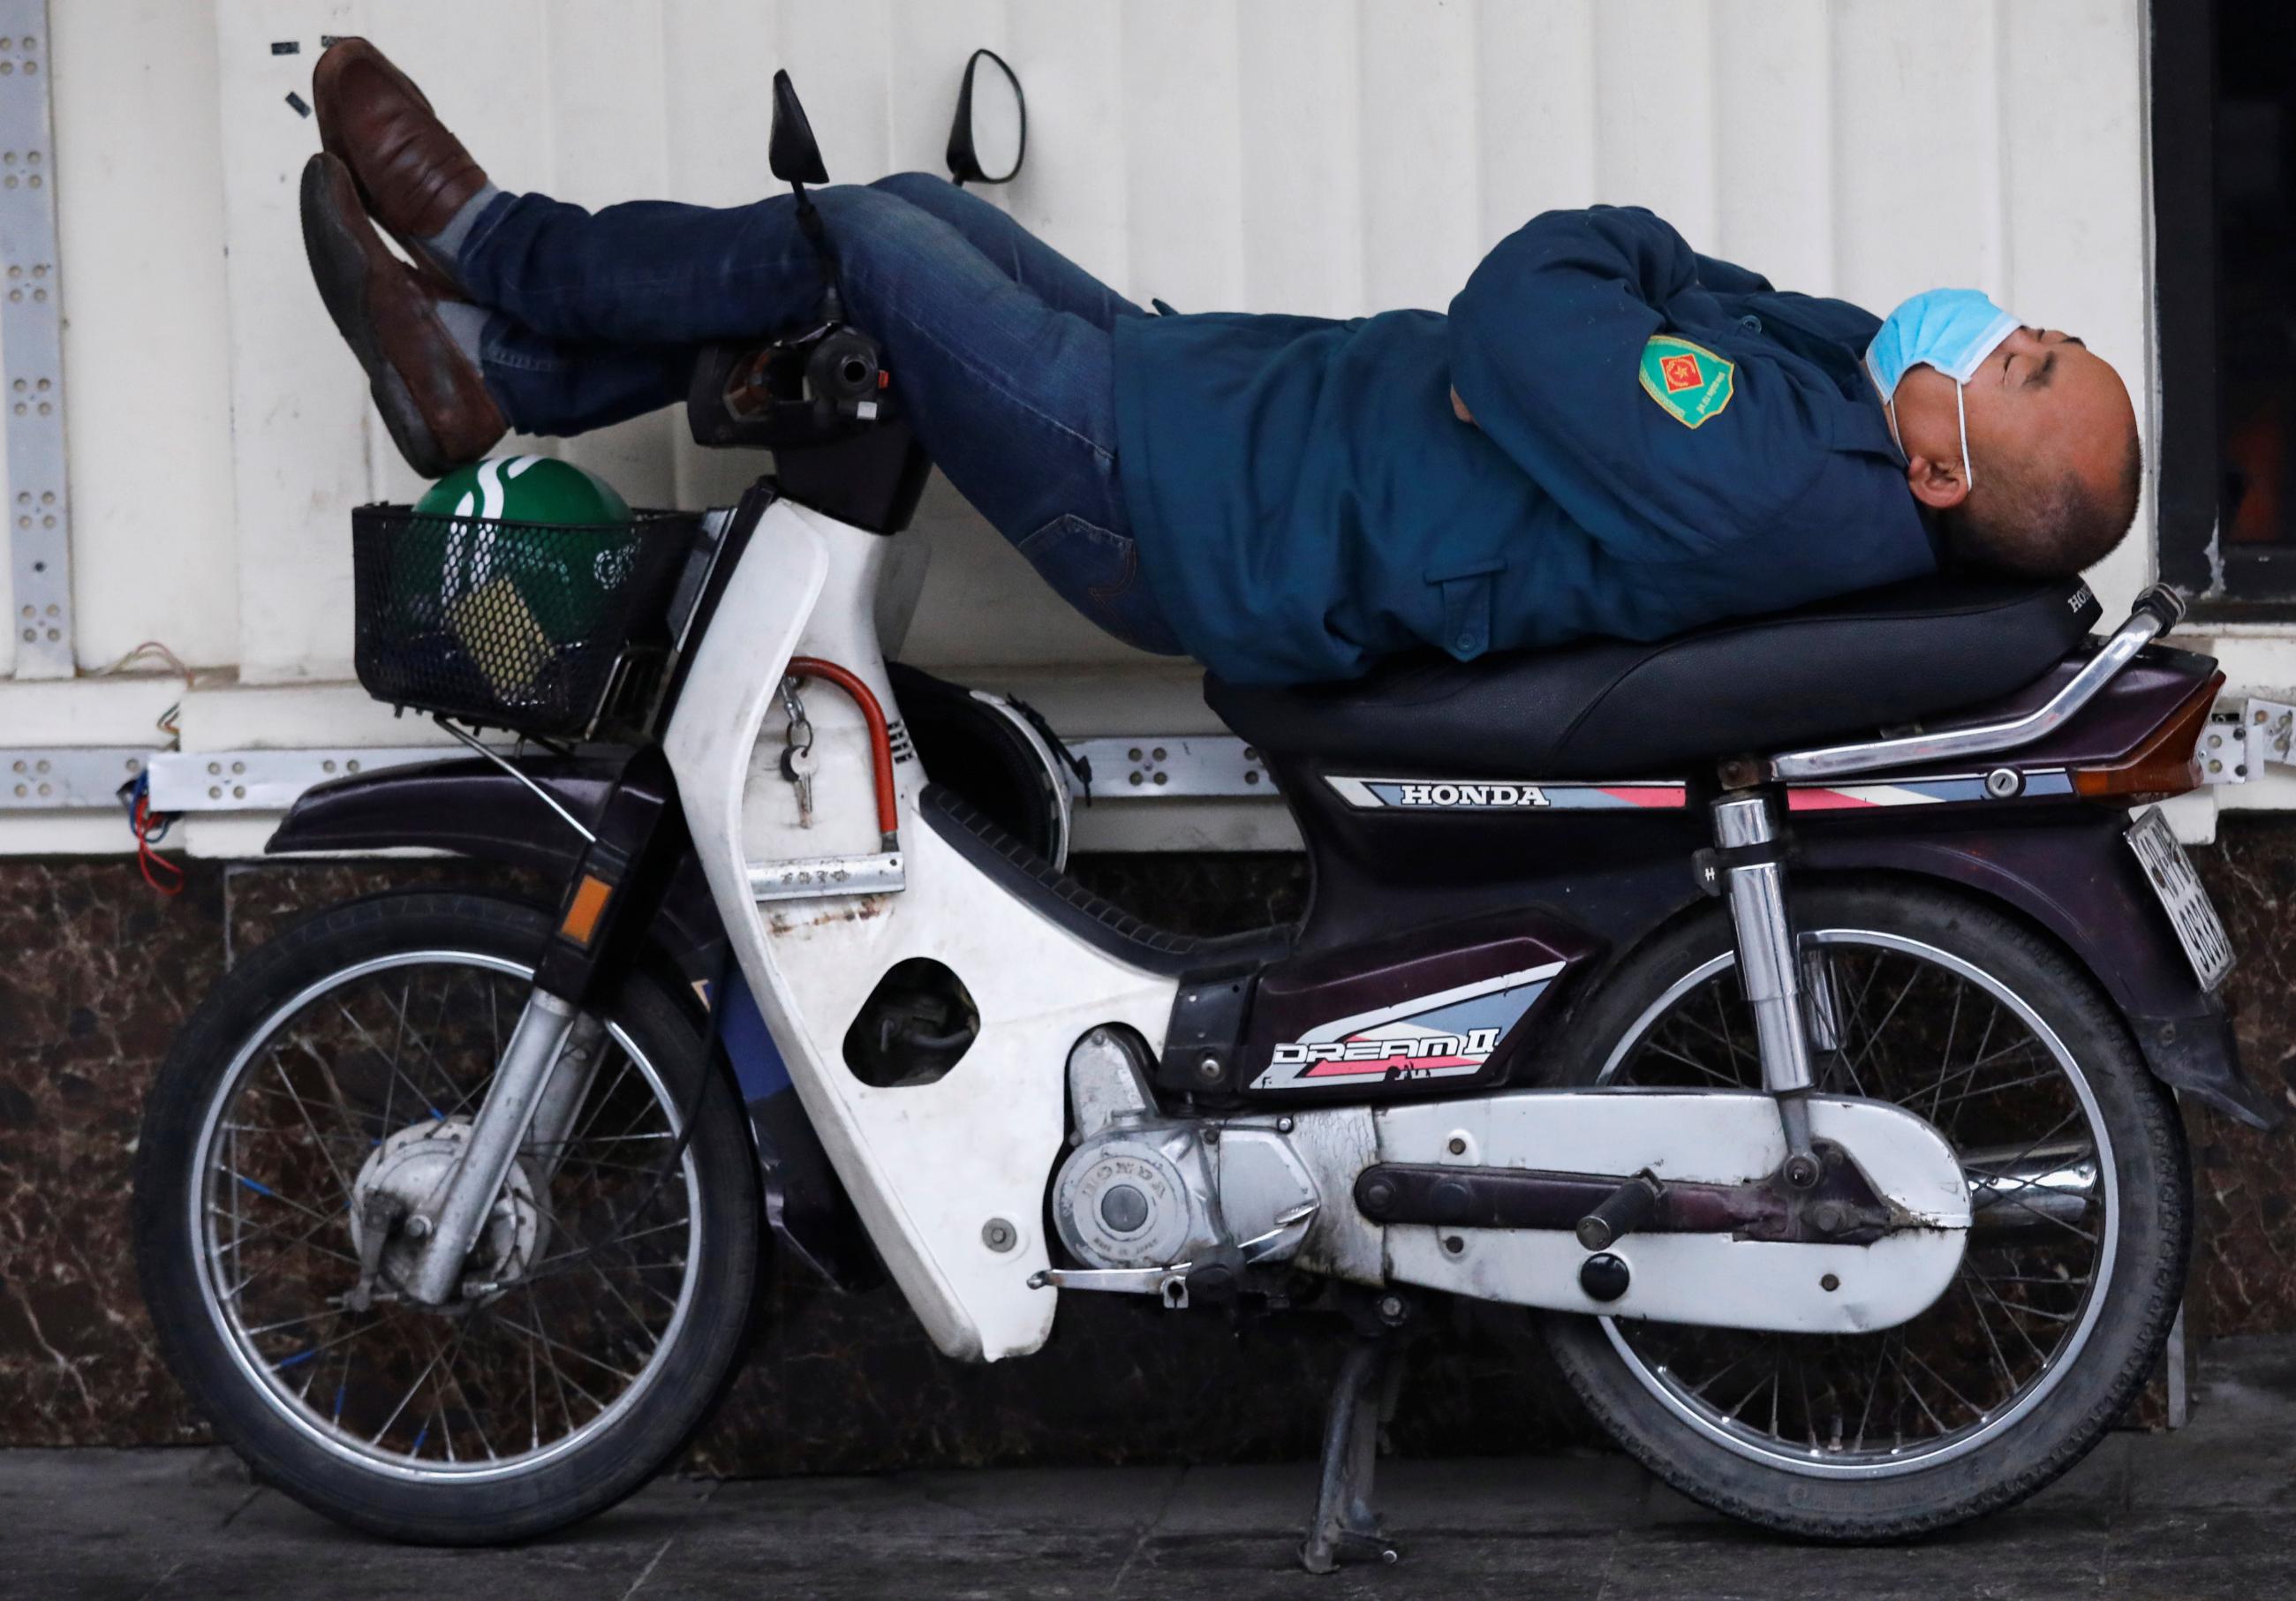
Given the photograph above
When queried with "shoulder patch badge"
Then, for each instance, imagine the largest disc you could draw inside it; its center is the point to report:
(1690, 383)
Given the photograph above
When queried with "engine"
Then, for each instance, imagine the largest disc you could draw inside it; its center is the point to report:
(1142, 1191)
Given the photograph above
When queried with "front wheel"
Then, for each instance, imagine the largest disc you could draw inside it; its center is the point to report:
(2082, 1196)
(613, 1282)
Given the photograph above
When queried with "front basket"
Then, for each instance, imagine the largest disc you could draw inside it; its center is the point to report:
(528, 626)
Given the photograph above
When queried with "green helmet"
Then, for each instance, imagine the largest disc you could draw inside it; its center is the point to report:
(514, 595)
(525, 488)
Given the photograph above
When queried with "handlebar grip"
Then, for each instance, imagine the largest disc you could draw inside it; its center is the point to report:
(2162, 603)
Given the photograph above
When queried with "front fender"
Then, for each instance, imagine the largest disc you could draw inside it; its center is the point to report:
(468, 805)
(2078, 879)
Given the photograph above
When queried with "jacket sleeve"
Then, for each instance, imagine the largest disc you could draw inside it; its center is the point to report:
(1546, 344)
(1728, 278)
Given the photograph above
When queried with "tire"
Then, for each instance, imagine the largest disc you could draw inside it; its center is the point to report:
(472, 946)
(1820, 1488)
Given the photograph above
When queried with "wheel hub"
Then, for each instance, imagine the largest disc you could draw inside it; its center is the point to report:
(406, 1171)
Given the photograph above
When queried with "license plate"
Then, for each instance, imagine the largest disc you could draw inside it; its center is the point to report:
(2183, 896)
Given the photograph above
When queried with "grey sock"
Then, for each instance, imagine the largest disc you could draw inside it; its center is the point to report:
(466, 327)
(447, 244)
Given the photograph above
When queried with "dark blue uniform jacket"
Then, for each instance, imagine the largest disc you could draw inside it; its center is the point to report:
(1661, 440)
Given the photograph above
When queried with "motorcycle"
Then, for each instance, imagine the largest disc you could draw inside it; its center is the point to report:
(1788, 1014)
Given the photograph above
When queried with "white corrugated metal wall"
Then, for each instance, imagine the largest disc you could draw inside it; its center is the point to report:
(1331, 156)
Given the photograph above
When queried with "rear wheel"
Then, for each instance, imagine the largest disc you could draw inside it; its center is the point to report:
(611, 1286)
(2080, 1191)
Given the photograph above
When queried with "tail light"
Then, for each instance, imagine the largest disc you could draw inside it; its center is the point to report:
(2166, 764)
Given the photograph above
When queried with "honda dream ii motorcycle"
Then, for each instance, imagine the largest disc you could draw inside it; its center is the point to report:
(1788, 1014)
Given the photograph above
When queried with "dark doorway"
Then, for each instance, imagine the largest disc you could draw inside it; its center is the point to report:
(2223, 147)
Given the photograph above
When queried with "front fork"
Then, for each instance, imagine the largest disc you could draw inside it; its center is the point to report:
(1749, 860)
(547, 1067)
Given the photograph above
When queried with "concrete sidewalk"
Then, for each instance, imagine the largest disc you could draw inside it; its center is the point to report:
(2204, 1513)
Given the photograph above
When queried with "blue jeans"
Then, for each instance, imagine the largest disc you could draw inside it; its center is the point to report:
(999, 348)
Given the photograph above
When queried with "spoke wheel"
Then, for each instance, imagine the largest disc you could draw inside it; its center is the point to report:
(2081, 1202)
(602, 1305)
(1918, 1028)
(401, 1045)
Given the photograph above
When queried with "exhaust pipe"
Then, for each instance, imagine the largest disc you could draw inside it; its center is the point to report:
(2018, 1189)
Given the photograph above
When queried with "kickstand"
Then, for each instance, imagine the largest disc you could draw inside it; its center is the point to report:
(1345, 1528)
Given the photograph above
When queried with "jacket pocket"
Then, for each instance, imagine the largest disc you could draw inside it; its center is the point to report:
(1467, 590)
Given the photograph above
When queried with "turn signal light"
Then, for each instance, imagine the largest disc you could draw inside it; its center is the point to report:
(2166, 764)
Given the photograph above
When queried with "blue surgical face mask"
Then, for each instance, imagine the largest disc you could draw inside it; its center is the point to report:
(1952, 330)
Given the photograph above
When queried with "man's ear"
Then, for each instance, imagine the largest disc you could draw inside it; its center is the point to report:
(1937, 485)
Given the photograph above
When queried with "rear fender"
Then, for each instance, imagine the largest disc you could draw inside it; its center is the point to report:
(2078, 879)
(472, 807)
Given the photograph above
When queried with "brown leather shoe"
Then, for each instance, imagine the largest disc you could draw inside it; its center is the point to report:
(412, 173)
(432, 397)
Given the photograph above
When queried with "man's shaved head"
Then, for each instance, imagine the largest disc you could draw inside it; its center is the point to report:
(2053, 448)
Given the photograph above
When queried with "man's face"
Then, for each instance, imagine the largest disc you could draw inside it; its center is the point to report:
(2040, 399)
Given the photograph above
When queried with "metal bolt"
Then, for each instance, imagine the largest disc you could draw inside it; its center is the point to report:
(418, 1227)
(1390, 1307)
(1208, 1069)
(1829, 1284)
(1211, 1136)
(1458, 1146)
(998, 1234)
(1453, 1243)
(1284, 1125)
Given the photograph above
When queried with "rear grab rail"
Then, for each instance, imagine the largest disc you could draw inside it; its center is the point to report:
(2157, 611)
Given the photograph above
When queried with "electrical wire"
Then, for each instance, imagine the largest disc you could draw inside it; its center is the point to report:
(150, 648)
(149, 827)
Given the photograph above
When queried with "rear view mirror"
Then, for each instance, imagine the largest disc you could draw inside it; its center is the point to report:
(790, 150)
(990, 135)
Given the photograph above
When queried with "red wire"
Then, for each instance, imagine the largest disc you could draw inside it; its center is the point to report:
(880, 738)
(147, 858)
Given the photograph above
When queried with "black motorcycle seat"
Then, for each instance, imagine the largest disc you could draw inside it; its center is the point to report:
(1619, 709)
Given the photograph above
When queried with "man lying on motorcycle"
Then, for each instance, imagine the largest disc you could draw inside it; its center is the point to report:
(1608, 434)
